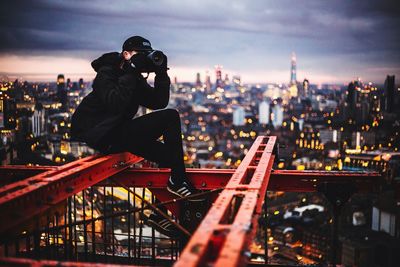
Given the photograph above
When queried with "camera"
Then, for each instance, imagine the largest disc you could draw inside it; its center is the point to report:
(149, 61)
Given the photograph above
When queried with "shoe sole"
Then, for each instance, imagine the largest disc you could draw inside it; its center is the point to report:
(190, 199)
(160, 229)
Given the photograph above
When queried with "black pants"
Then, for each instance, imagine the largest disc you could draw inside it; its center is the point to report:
(140, 137)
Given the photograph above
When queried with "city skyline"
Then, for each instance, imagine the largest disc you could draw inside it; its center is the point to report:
(334, 42)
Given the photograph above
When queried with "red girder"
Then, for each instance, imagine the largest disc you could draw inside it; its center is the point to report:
(37, 263)
(24, 199)
(280, 180)
(222, 237)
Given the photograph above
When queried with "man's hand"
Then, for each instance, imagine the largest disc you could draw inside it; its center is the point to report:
(163, 67)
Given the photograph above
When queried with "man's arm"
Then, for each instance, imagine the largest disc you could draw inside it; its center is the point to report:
(116, 94)
(156, 97)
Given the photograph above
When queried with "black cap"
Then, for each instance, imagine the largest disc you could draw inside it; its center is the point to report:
(136, 43)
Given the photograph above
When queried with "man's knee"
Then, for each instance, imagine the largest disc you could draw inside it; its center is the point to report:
(172, 114)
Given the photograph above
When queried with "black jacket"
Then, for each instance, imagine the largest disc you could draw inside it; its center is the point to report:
(115, 98)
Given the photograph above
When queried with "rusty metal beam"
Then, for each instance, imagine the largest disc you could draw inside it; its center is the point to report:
(207, 179)
(280, 180)
(24, 199)
(14, 173)
(48, 263)
(231, 222)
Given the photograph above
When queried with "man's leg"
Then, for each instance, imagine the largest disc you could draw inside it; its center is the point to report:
(140, 136)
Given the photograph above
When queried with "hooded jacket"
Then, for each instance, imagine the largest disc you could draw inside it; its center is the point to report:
(115, 98)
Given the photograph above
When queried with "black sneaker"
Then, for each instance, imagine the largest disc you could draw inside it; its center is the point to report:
(183, 189)
(161, 224)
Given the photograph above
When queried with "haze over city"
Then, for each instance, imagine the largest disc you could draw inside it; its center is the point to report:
(335, 42)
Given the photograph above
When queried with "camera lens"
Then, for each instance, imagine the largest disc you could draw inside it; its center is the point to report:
(157, 57)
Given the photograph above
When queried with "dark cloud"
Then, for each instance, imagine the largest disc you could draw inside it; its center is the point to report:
(202, 32)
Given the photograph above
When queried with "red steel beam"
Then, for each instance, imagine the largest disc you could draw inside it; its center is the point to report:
(14, 173)
(280, 180)
(24, 199)
(231, 222)
(48, 263)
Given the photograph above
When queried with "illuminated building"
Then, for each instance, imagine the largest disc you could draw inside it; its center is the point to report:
(277, 115)
(81, 84)
(1, 112)
(38, 121)
(208, 82)
(218, 74)
(61, 91)
(69, 83)
(263, 112)
(293, 91)
(239, 117)
(306, 88)
(293, 79)
(7, 112)
(226, 81)
(236, 81)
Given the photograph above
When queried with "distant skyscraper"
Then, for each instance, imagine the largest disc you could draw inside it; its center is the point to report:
(239, 116)
(81, 84)
(301, 123)
(62, 92)
(38, 121)
(226, 81)
(236, 80)
(293, 78)
(306, 88)
(352, 96)
(69, 84)
(218, 74)
(208, 81)
(390, 93)
(198, 81)
(263, 116)
(60, 81)
(277, 112)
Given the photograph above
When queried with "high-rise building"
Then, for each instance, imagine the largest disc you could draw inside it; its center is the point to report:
(390, 93)
(236, 80)
(69, 83)
(38, 121)
(60, 81)
(208, 81)
(277, 115)
(352, 95)
(226, 81)
(8, 111)
(239, 116)
(306, 88)
(218, 75)
(61, 91)
(263, 116)
(81, 84)
(198, 81)
(293, 78)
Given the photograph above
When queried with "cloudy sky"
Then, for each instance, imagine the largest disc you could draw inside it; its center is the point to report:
(335, 41)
